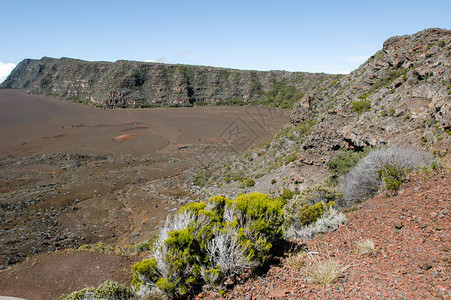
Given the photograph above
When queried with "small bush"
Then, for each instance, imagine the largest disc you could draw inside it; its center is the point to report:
(99, 247)
(365, 179)
(309, 214)
(342, 163)
(205, 243)
(392, 176)
(305, 199)
(250, 182)
(108, 290)
(329, 221)
(361, 106)
(137, 248)
(287, 194)
(273, 181)
(201, 178)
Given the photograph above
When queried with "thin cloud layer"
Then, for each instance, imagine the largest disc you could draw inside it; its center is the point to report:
(5, 69)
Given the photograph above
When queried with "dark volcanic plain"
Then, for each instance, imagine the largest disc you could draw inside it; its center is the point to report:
(72, 174)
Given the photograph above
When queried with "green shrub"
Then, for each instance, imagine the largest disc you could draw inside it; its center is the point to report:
(360, 106)
(201, 178)
(99, 247)
(342, 163)
(250, 182)
(108, 290)
(287, 194)
(392, 176)
(282, 95)
(137, 248)
(441, 43)
(207, 242)
(309, 214)
(273, 181)
(301, 206)
(330, 220)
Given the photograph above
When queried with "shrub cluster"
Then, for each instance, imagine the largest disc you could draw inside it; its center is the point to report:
(360, 106)
(307, 206)
(205, 243)
(201, 178)
(388, 166)
(330, 220)
(342, 163)
(311, 212)
(108, 290)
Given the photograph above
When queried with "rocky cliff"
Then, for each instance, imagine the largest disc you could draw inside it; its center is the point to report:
(139, 84)
(401, 96)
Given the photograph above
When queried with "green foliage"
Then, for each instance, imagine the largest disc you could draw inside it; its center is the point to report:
(137, 248)
(441, 43)
(99, 247)
(108, 290)
(287, 194)
(342, 163)
(360, 106)
(309, 214)
(389, 77)
(304, 203)
(201, 178)
(273, 181)
(282, 95)
(186, 259)
(250, 182)
(147, 268)
(363, 97)
(393, 176)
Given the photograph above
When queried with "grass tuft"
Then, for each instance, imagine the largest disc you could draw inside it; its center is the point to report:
(365, 246)
(295, 262)
(326, 272)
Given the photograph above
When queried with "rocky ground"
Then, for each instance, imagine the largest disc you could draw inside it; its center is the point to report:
(411, 259)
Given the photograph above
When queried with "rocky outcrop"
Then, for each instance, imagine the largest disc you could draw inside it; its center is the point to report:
(139, 84)
(401, 95)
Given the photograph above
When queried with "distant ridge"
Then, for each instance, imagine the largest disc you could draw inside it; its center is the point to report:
(141, 84)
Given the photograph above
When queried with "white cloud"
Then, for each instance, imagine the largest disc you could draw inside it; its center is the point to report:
(162, 59)
(5, 69)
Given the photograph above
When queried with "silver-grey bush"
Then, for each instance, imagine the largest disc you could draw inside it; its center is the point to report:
(363, 181)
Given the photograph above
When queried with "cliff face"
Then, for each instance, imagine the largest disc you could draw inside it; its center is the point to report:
(401, 95)
(134, 84)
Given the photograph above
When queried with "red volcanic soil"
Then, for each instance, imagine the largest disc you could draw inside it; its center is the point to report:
(411, 260)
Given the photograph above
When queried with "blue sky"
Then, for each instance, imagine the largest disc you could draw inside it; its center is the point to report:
(313, 36)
